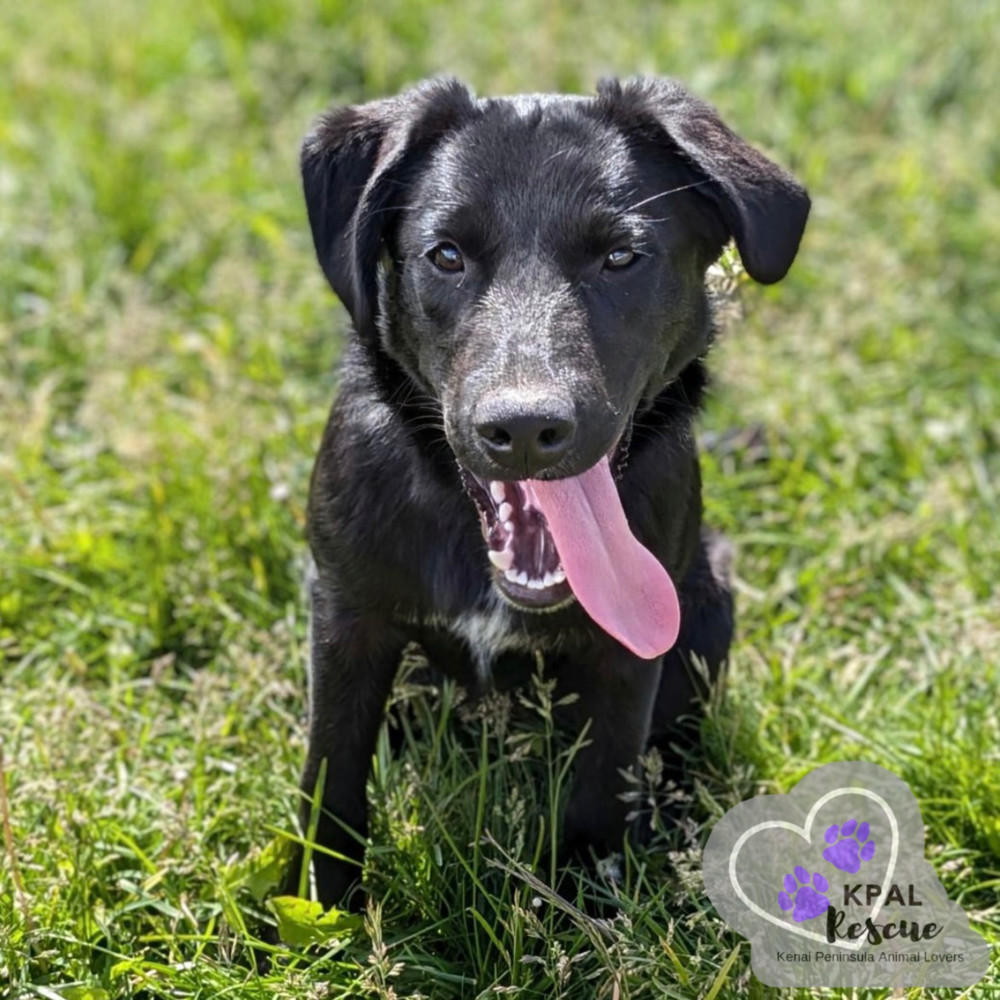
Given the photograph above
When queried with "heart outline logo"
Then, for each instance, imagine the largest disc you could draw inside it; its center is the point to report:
(805, 833)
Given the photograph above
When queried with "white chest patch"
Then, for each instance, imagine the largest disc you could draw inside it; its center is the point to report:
(489, 633)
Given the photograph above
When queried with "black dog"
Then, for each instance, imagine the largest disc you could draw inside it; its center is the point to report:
(510, 464)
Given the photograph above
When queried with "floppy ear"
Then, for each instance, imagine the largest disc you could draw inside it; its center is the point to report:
(763, 207)
(354, 164)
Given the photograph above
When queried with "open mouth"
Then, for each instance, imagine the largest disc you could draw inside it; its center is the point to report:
(520, 547)
(527, 570)
(550, 541)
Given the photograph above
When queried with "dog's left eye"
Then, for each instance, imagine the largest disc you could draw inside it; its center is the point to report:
(447, 257)
(619, 259)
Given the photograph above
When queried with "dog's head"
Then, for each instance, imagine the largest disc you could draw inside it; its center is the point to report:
(535, 265)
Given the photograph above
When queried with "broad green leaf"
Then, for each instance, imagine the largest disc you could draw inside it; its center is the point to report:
(302, 922)
(262, 869)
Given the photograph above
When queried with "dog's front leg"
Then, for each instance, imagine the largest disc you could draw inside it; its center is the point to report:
(617, 691)
(353, 660)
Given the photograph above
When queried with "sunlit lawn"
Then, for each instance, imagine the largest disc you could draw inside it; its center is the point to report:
(167, 360)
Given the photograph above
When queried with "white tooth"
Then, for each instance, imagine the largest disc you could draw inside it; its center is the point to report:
(505, 511)
(536, 584)
(511, 575)
(548, 579)
(497, 491)
(508, 526)
(522, 578)
(502, 560)
(559, 576)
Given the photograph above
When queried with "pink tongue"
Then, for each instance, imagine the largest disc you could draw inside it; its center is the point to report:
(619, 582)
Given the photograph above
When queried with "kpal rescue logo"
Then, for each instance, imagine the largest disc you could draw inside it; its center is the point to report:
(830, 886)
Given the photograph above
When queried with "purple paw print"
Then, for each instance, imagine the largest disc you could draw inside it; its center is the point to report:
(809, 900)
(849, 846)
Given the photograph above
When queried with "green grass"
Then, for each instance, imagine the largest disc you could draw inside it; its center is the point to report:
(167, 351)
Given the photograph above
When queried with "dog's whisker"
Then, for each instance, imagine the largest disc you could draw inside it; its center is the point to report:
(554, 156)
(664, 194)
(423, 400)
(372, 213)
(418, 425)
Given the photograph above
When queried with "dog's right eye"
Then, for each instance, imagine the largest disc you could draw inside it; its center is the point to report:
(447, 257)
(620, 259)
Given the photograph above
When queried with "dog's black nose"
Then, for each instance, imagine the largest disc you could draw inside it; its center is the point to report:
(526, 438)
